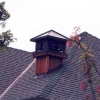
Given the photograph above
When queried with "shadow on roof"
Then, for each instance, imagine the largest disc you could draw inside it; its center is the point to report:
(37, 98)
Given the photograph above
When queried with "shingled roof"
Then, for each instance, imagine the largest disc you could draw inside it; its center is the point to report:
(61, 84)
(11, 65)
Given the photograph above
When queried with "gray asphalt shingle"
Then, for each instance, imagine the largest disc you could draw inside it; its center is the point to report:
(61, 84)
(11, 65)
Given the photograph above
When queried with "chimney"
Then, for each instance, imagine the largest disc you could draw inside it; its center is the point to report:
(49, 51)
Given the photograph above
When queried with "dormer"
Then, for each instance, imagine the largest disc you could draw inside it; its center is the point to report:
(49, 51)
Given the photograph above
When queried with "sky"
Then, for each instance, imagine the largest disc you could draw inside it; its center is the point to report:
(30, 18)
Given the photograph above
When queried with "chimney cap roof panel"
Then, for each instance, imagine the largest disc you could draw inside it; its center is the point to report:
(50, 33)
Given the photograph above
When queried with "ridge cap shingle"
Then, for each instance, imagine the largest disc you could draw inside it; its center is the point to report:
(85, 32)
(14, 82)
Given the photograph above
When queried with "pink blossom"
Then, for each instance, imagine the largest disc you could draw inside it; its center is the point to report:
(74, 33)
(69, 43)
(93, 60)
(98, 90)
(87, 96)
(75, 27)
(84, 63)
(83, 85)
(72, 37)
(86, 71)
(76, 30)
(77, 38)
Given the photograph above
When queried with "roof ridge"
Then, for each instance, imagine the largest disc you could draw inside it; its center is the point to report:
(89, 34)
(49, 32)
(10, 86)
(19, 49)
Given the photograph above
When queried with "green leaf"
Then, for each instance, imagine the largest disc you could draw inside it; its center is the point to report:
(0, 36)
(92, 69)
(91, 55)
(81, 57)
(81, 69)
(5, 49)
(2, 4)
(95, 79)
(15, 39)
(83, 45)
(11, 40)
(89, 50)
(1, 48)
(3, 24)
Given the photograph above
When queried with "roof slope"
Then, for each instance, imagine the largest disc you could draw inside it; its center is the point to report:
(11, 65)
(62, 84)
